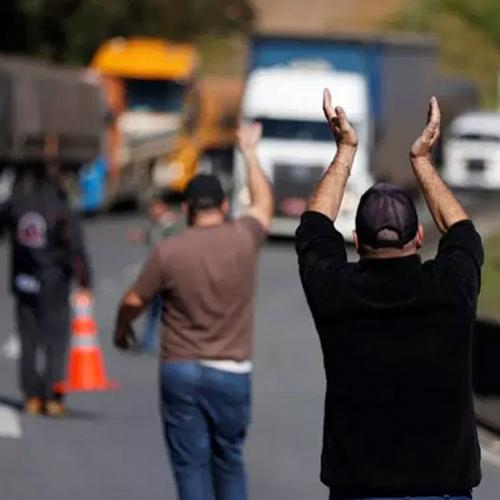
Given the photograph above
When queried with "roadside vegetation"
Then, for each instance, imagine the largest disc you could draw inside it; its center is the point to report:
(489, 300)
(469, 37)
(69, 31)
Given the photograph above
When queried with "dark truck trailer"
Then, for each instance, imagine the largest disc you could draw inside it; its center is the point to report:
(43, 107)
(402, 74)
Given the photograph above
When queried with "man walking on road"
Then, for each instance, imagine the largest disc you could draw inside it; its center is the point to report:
(47, 251)
(396, 334)
(206, 277)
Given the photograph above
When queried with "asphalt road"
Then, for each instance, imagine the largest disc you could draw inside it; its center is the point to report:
(110, 447)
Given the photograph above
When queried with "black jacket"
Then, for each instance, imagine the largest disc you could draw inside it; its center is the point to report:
(47, 248)
(396, 337)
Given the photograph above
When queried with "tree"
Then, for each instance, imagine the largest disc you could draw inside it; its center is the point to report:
(469, 37)
(71, 30)
(481, 14)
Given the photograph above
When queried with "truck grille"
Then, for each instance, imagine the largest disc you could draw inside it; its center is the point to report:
(293, 184)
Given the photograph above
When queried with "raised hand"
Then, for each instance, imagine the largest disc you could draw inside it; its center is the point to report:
(259, 187)
(248, 136)
(422, 147)
(343, 131)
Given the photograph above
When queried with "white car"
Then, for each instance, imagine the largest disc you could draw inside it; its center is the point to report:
(472, 151)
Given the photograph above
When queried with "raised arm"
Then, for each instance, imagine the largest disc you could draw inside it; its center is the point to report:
(261, 193)
(328, 195)
(445, 209)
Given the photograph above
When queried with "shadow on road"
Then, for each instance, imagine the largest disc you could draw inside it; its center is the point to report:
(14, 403)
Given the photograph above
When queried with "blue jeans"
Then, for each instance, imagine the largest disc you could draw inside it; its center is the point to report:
(150, 338)
(205, 414)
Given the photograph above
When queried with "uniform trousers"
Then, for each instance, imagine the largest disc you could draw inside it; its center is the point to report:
(43, 326)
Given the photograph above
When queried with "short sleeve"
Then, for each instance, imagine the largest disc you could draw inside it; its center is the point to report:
(460, 258)
(150, 280)
(321, 253)
(254, 228)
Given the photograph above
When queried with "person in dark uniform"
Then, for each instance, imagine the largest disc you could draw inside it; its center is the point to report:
(47, 250)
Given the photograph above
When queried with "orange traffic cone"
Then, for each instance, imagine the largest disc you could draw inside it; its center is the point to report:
(86, 371)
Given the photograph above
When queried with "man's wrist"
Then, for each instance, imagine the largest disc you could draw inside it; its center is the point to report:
(345, 156)
(249, 154)
(424, 159)
(347, 148)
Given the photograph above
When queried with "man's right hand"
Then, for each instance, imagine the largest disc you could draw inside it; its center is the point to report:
(343, 131)
(444, 207)
(124, 337)
(422, 147)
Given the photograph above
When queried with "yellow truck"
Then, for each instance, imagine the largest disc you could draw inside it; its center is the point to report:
(164, 121)
(145, 81)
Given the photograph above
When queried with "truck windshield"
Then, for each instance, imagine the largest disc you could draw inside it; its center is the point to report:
(295, 129)
(159, 96)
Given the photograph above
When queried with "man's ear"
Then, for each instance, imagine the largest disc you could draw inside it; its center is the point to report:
(355, 240)
(225, 206)
(419, 239)
(184, 207)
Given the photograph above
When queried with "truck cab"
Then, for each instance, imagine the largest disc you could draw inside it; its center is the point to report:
(146, 81)
(297, 145)
(471, 157)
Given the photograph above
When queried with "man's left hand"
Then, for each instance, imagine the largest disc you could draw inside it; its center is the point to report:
(422, 147)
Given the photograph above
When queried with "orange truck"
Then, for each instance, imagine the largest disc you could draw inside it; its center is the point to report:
(163, 121)
(145, 82)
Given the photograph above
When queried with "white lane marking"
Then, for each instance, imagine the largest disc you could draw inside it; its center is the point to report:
(490, 457)
(10, 426)
(12, 347)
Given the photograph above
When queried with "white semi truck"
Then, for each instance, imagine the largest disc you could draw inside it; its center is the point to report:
(384, 83)
(297, 145)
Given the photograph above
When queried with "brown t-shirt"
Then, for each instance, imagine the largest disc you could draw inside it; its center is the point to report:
(206, 276)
